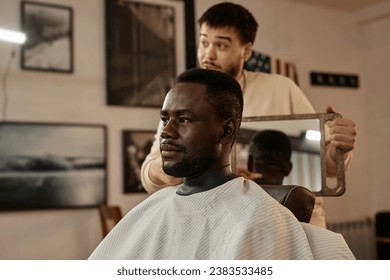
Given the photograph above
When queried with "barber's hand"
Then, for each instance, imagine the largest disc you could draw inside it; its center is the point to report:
(247, 174)
(158, 176)
(342, 132)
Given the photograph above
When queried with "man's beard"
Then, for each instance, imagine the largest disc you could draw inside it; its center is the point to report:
(193, 165)
(233, 70)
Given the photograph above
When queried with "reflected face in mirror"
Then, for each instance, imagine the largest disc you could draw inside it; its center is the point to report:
(270, 155)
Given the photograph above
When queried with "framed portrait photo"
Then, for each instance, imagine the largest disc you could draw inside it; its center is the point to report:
(135, 147)
(49, 31)
(52, 165)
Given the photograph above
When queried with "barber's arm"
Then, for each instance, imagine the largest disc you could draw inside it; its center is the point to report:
(342, 134)
(153, 178)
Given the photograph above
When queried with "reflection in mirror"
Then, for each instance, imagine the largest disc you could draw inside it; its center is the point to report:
(308, 150)
(305, 156)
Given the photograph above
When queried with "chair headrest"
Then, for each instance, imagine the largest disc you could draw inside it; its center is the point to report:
(299, 200)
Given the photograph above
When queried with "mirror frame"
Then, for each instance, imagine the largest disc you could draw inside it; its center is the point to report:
(326, 190)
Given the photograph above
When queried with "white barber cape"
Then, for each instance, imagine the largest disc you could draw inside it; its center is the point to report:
(237, 220)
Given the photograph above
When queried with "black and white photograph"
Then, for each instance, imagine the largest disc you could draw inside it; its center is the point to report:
(135, 146)
(141, 53)
(48, 165)
(49, 31)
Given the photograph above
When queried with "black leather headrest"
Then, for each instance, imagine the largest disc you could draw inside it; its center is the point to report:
(299, 200)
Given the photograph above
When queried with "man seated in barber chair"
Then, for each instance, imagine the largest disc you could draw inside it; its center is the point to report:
(269, 161)
(213, 213)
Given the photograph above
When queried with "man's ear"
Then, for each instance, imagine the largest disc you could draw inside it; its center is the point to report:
(288, 169)
(247, 51)
(250, 163)
(229, 131)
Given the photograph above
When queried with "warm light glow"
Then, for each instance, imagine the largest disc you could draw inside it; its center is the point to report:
(313, 135)
(12, 36)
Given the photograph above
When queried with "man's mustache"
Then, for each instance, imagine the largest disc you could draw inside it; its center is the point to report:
(211, 64)
(173, 144)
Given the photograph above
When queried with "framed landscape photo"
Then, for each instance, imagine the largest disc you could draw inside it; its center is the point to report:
(52, 165)
(49, 31)
(145, 50)
(135, 146)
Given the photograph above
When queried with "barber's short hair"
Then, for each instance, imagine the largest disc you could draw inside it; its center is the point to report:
(228, 14)
(272, 142)
(223, 91)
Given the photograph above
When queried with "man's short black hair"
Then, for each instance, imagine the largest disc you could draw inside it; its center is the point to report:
(228, 14)
(271, 142)
(223, 91)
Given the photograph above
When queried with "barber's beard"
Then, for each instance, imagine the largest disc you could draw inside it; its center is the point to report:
(192, 165)
(233, 70)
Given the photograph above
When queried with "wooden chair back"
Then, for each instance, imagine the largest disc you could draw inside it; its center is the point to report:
(110, 215)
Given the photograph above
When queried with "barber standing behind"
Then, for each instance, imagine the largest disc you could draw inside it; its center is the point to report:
(226, 37)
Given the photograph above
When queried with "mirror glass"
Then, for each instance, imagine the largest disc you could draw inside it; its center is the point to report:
(306, 133)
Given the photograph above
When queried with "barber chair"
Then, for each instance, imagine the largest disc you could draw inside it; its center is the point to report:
(299, 200)
(109, 217)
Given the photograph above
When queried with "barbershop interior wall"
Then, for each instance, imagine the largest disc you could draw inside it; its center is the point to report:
(313, 38)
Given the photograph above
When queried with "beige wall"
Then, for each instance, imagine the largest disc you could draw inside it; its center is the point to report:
(313, 38)
(375, 42)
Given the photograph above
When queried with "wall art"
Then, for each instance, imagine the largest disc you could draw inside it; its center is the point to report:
(52, 165)
(135, 146)
(49, 31)
(145, 50)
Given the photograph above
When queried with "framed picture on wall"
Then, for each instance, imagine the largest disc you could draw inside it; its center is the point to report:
(135, 146)
(49, 31)
(52, 165)
(145, 50)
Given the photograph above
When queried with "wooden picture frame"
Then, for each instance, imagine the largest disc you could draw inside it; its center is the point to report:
(49, 31)
(52, 165)
(145, 49)
(136, 145)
